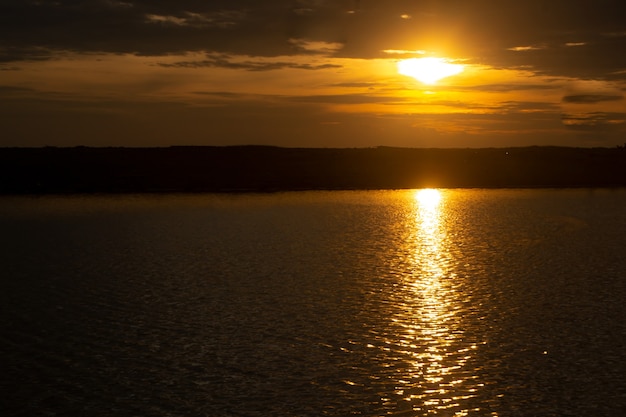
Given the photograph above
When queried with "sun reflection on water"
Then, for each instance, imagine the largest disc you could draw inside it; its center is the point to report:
(433, 334)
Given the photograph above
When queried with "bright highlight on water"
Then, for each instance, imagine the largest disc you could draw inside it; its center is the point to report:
(417, 303)
(428, 197)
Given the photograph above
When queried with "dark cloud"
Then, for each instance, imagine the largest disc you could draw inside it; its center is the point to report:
(595, 121)
(13, 53)
(222, 94)
(526, 106)
(539, 110)
(575, 38)
(347, 99)
(505, 88)
(356, 85)
(591, 93)
(141, 27)
(591, 98)
(8, 89)
(488, 31)
(232, 118)
(227, 62)
(598, 58)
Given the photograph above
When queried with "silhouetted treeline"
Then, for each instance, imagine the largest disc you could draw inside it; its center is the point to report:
(266, 168)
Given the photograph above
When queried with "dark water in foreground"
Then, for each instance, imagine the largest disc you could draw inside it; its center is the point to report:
(466, 302)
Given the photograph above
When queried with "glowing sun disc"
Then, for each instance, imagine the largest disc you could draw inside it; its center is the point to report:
(428, 70)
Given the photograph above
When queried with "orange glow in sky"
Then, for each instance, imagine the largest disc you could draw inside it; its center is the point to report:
(401, 73)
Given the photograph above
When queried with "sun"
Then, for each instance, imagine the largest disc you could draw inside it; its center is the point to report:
(428, 70)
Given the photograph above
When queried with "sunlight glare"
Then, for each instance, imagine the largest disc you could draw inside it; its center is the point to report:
(428, 70)
(428, 197)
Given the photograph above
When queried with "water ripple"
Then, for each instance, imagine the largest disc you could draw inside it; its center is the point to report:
(453, 303)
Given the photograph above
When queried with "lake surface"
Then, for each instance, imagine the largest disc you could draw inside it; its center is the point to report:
(373, 303)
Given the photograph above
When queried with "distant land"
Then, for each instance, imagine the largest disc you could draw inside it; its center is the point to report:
(52, 170)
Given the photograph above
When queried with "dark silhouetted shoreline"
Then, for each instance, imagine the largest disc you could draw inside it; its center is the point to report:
(266, 168)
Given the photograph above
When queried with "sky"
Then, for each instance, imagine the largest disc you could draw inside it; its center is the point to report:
(311, 73)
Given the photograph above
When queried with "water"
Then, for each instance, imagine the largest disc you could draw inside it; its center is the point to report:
(449, 303)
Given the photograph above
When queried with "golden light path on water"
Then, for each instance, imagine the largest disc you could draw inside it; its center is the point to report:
(437, 382)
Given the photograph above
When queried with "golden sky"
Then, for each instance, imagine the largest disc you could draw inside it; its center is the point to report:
(311, 73)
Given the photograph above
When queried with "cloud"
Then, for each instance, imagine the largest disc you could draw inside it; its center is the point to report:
(166, 20)
(595, 121)
(590, 92)
(13, 54)
(220, 19)
(8, 89)
(358, 84)
(346, 99)
(220, 61)
(591, 98)
(287, 100)
(316, 47)
(222, 94)
(528, 107)
(118, 4)
(526, 48)
(580, 39)
(505, 87)
(593, 106)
